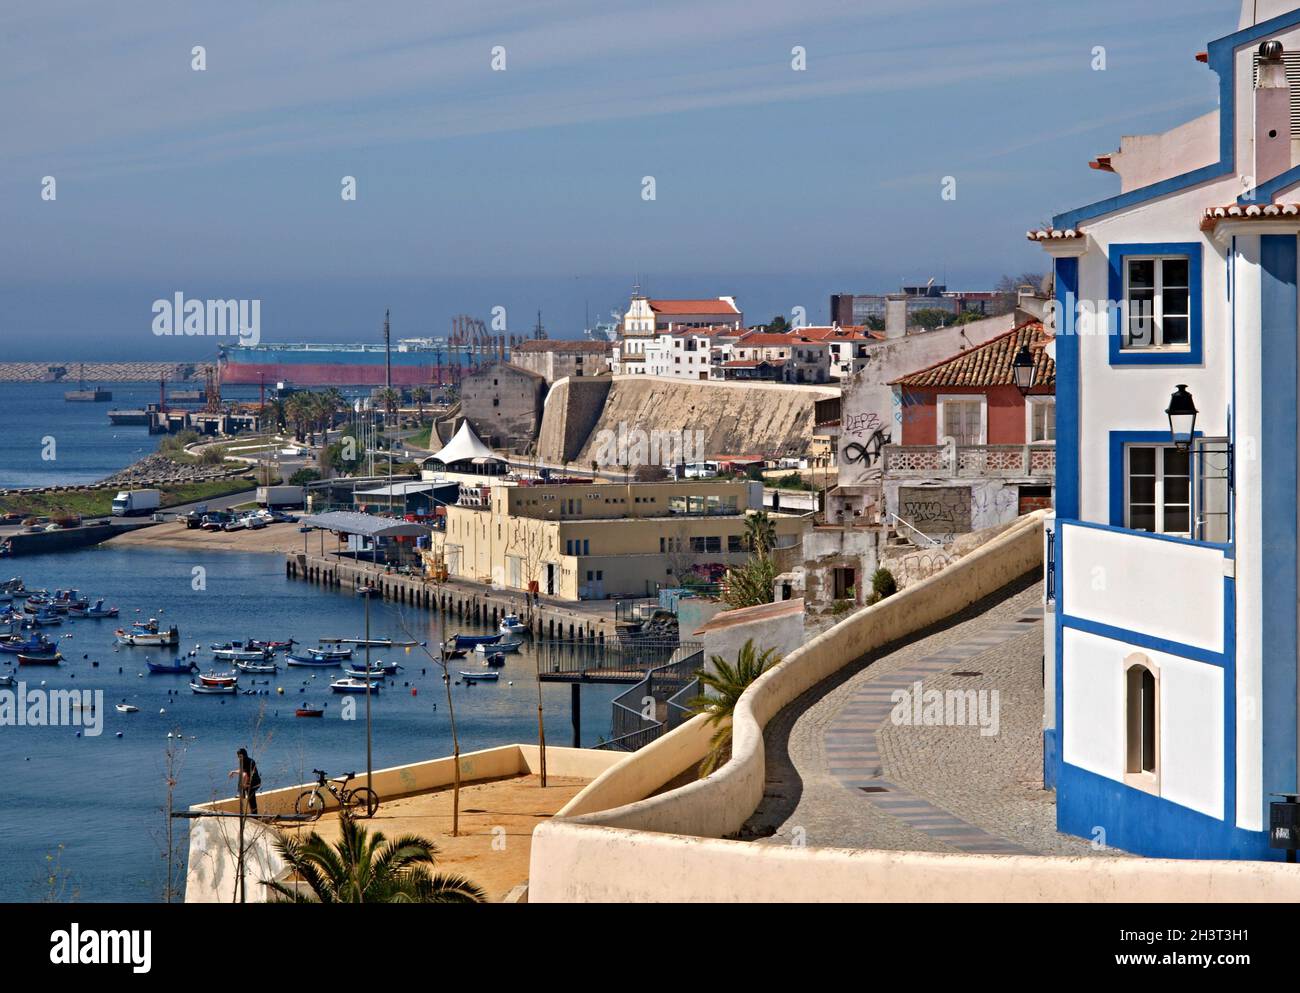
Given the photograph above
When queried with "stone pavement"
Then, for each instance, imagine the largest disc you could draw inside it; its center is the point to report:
(850, 766)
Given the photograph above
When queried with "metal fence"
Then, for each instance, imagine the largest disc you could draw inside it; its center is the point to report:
(609, 660)
(655, 705)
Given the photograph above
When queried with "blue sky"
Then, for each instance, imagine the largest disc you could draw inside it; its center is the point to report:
(522, 188)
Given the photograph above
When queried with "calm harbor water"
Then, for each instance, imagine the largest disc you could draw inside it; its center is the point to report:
(102, 798)
(86, 446)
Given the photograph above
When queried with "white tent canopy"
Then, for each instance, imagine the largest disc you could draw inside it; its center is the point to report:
(465, 447)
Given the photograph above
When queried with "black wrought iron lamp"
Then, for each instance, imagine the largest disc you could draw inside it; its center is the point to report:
(1182, 418)
(1024, 370)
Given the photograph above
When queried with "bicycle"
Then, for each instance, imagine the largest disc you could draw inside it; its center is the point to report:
(311, 803)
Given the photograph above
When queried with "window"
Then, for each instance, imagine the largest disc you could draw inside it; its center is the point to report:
(1158, 483)
(1157, 302)
(1155, 315)
(1040, 414)
(961, 418)
(1142, 723)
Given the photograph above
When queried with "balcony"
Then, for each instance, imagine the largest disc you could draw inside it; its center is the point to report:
(970, 461)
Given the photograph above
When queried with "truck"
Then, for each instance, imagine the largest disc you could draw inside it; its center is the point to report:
(281, 496)
(129, 503)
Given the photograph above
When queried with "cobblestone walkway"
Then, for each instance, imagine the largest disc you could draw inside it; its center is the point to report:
(843, 773)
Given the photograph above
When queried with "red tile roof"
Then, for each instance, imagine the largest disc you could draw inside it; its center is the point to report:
(846, 333)
(692, 307)
(990, 364)
(762, 339)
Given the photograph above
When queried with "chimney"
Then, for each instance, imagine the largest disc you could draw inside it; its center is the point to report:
(895, 316)
(1272, 115)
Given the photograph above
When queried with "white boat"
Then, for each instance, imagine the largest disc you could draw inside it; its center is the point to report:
(239, 653)
(474, 677)
(353, 685)
(257, 668)
(500, 646)
(511, 624)
(126, 708)
(229, 688)
(330, 653)
(155, 639)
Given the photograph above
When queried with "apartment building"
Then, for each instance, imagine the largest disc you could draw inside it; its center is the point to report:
(590, 541)
(646, 319)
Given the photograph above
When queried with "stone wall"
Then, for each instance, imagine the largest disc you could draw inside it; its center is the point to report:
(572, 409)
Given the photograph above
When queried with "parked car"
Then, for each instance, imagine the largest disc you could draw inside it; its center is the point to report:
(11, 515)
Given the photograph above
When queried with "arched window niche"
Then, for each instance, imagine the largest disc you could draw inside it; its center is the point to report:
(1142, 723)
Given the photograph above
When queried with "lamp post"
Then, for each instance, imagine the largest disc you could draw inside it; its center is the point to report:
(1024, 370)
(1182, 418)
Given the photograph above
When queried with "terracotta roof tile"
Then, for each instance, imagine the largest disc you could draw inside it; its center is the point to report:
(692, 307)
(990, 364)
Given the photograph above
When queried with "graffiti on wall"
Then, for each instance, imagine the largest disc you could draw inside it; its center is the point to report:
(936, 511)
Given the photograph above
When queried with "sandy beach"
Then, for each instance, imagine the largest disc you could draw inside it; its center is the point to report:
(274, 538)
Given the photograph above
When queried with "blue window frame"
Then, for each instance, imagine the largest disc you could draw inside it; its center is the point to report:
(1193, 352)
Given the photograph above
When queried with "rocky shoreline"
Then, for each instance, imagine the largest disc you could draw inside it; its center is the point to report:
(151, 471)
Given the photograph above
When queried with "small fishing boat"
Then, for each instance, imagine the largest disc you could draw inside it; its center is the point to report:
(219, 678)
(454, 653)
(257, 668)
(78, 609)
(155, 639)
(7, 680)
(307, 662)
(40, 658)
(511, 624)
(237, 651)
(46, 618)
(35, 644)
(362, 642)
(474, 640)
(176, 668)
(71, 598)
(474, 677)
(500, 646)
(367, 591)
(496, 659)
(99, 610)
(126, 708)
(203, 688)
(356, 673)
(330, 653)
(351, 685)
(307, 710)
(273, 646)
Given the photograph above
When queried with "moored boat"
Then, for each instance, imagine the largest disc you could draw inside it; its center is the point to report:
(474, 677)
(306, 662)
(511, 624)
(203, 688)
(500, 646)
(7, 680)
(174, 668)
(126, 708)
(330, 653)
(156, 639)
(41, 658)
(307, 710)
(257, 668)
(352, 685)
(219, 678)
(496, 659)
(356, 673)
(99, 610)
(474, 640)
(237, 651)
(35, 644)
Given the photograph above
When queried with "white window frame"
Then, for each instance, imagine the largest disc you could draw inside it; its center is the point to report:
(941, 419)
(1030, 404)
(1158, 308)
(1160, 502)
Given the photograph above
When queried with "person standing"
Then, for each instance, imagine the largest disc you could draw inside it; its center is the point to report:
(249, 779)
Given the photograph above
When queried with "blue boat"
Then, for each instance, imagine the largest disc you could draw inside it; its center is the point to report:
(35, 644)
(306, 662)
(179, 667)
(474, 640)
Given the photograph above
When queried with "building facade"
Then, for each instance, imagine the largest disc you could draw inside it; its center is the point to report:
(553, 359)
(503, 404)
(975, 451)
(591, 541)
(1171, 675)
(646, 319)
(780, 358)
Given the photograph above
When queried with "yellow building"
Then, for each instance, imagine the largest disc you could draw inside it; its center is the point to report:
(588, 541)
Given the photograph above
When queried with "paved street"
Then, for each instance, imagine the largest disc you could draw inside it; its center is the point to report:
(842, 772)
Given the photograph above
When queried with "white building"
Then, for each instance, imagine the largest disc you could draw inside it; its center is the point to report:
(646, 319)
(689, 353)
(1171, 675)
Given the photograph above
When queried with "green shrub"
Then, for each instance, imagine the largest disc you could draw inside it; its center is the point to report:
(883, 585)
(304, 476)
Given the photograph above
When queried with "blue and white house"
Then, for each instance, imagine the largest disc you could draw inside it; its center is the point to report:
(1171, 675)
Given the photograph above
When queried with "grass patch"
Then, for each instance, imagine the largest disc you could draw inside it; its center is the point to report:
(99, 503)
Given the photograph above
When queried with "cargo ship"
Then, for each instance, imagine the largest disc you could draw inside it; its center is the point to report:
(413, 361)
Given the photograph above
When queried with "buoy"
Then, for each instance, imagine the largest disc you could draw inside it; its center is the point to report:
(119, 734)
(280, 690)
(414, 691)
(163, 710)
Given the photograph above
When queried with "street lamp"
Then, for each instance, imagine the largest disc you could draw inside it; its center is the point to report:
(1182, 418)
(1023, 370)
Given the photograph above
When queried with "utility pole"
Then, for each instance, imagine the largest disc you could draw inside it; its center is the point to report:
(388, 355)
(369, 786)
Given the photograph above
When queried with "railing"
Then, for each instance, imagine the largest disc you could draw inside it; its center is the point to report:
(1049, 536)
(970, 461)
(931, 542)
(663, 691)
(610, 660)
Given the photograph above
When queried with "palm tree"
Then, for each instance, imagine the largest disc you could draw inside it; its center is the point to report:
(421, 396)
(297, 410)
(727, 682)
(760, 533)
(390, 398)
(367, 868)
